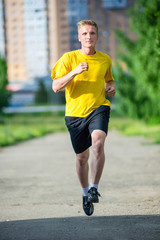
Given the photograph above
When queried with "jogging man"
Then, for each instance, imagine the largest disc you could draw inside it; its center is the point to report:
(86, 74)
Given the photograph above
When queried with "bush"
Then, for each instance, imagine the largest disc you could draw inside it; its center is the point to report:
(4, 93)
(138, 89)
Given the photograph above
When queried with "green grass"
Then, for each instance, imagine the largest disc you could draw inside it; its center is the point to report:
(134, 127)
(21, 127)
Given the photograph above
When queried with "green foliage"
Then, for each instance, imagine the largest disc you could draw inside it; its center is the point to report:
(4, 93)
(21, 127)
(138, 89)
(42, 93)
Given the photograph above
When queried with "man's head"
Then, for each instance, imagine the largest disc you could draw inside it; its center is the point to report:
(87, 22)
(87, 33)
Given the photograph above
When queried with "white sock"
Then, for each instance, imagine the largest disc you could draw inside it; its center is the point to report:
(93, 185)
(85, 191)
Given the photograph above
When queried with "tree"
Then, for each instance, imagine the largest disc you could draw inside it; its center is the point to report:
(4, 93)
(139, 88)
(42, 93)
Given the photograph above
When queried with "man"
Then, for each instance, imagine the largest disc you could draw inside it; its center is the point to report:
(86, 74)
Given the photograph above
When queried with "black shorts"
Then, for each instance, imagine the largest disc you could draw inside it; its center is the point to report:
(80, 129)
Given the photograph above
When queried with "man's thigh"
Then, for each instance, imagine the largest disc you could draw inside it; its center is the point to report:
(100, 122)
(79, 134)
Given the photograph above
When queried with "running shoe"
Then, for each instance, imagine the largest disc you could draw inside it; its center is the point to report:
(93, 195)
(87, 206)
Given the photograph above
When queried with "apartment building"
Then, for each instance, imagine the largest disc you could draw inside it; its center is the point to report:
(77, 10)
(110, 15)
(58, 30)
(35, 33)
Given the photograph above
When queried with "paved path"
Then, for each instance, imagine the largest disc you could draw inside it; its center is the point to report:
(40, 196)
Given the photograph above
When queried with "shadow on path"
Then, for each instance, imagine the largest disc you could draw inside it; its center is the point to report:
(138, 227)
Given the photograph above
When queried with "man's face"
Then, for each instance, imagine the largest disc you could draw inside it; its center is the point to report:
(88, 36)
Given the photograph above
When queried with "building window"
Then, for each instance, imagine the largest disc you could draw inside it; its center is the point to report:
(14, 12)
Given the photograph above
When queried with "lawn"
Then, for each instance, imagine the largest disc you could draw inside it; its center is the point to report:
(135, 127)
(21, 127)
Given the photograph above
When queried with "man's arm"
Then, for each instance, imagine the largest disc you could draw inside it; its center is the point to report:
(110, 88)
(62, 82)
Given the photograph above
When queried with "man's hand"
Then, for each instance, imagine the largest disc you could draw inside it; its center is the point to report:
(110, 88)
(83, 66)
(62, 82)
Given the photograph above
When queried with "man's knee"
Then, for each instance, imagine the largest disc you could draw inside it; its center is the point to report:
(98, 146)
(82, 158)
(98, 139)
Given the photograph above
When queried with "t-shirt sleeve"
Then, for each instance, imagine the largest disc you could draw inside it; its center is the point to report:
(61, 68)
(109, 76)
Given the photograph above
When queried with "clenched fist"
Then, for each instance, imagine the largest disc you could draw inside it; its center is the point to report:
(83, 66)
(110, 88)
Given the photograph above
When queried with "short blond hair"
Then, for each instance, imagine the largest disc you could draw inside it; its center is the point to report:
(87, 22)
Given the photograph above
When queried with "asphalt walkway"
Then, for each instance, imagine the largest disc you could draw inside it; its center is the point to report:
(40, 196)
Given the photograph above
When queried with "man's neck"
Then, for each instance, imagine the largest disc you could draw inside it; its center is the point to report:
(88, 51)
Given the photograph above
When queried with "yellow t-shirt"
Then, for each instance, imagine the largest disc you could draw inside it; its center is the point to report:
(86, 91)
